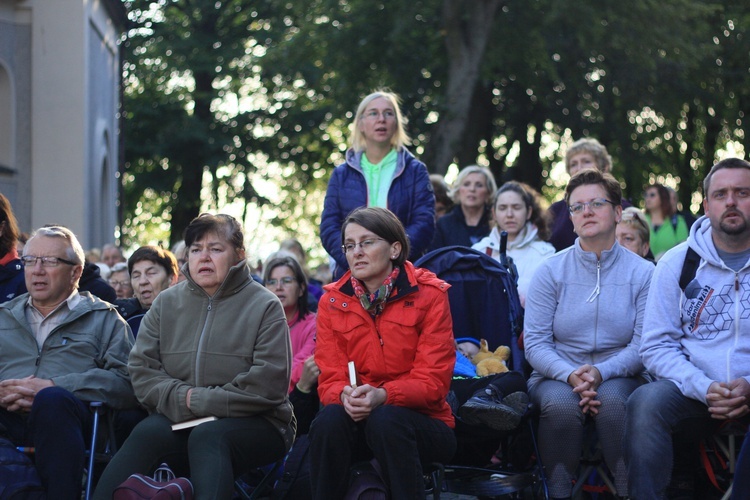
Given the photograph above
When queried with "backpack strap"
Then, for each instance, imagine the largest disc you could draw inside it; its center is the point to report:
(689, 267)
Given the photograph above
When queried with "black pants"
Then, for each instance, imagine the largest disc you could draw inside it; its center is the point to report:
(211, 454)
(399, 438)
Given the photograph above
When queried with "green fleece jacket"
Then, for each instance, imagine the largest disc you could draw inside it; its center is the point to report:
(86, 355)
(231, 348)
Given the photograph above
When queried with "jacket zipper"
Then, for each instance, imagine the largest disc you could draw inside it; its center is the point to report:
(376, 321)
(596, 315)
(736, 323)
(198, 358)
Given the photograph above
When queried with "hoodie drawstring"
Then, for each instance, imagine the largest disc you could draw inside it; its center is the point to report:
(595, 293)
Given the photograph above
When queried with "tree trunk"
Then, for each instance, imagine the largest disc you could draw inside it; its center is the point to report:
(468, 25)
(187, 206)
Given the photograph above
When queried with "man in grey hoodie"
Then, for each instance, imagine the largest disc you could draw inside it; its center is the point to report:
(695, 341)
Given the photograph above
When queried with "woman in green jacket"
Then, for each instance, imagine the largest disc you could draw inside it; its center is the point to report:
(216, 345)
(667, 228)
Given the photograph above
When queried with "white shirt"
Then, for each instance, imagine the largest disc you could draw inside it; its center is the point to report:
(42, 326)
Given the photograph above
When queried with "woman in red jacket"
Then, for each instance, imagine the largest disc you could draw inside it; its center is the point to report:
(393, 322)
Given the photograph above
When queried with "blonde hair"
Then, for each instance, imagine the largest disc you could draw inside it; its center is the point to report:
(595, 149)
(634, 218)
(400, 137)
(473, 169)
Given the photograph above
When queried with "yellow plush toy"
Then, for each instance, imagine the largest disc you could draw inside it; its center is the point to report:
(487, 362)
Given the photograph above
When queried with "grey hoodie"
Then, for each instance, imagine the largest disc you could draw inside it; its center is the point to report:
(580, 310)
(702, 335)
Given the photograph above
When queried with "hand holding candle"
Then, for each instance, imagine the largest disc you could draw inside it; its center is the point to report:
(352, 375)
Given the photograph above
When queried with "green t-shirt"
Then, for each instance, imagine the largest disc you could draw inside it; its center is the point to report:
(378, 177)
(669, 234)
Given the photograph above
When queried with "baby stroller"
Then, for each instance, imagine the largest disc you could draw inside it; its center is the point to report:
(484, 304)
(483, 297)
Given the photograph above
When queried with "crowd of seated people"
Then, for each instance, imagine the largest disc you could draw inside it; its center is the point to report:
(197, 333)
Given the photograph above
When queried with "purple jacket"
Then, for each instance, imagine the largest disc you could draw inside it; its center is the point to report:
(410, 197)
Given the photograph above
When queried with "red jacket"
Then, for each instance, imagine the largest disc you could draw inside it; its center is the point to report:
(408, 349)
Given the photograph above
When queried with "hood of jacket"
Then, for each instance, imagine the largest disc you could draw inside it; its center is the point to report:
(236, 279)
(701, 240)
(526, 236)
(354, 160)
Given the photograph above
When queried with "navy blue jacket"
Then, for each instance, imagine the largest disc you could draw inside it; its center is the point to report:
(91, 281)
(12, 280)
(410, 197)
(452, 229)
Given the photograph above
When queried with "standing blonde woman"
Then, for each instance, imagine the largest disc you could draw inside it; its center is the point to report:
(379, 172)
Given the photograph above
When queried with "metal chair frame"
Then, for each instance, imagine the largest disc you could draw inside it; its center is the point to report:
(100, 411)
(262, 488)
(490, 481)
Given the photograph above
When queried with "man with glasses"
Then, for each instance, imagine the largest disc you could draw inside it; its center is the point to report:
(59, 350)
(695, 334)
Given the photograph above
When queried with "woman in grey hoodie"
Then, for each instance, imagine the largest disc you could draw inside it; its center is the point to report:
(584, 314)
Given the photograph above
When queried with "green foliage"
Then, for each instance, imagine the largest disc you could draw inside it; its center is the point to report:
(255, 99)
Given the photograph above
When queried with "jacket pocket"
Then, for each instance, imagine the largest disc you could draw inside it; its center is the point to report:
(79, 350)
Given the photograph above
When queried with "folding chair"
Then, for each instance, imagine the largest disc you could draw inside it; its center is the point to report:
(722, 445)
(108, 449)
(107, 445)
(593, 476)
(261, 488)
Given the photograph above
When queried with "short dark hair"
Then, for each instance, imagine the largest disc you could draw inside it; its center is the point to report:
(441, 189)
(384, 224)
(10, 232)
(159, 256)
(219, 224)
(299, 275)
(589, 176)
(728, 163)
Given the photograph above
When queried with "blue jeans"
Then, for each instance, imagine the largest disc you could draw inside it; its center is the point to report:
(59, 426)
(654, 412)
(400, 439)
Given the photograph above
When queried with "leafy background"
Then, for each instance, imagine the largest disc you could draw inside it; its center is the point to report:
(244, 106)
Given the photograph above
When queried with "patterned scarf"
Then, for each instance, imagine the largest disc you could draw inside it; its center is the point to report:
(375, 302)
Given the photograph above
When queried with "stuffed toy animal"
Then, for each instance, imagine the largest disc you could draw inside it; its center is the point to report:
(488, 362)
